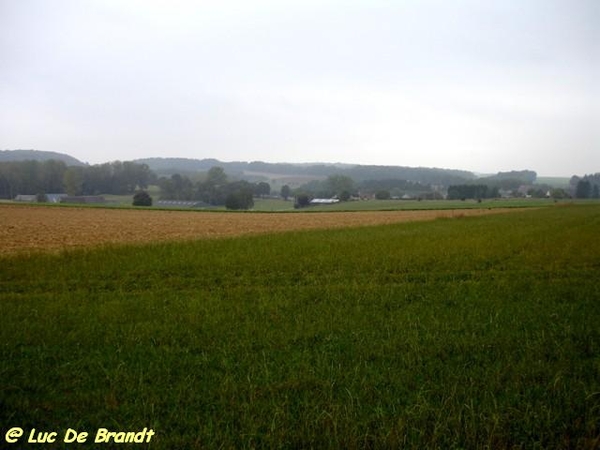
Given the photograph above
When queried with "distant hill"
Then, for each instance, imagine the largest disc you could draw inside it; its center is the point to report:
(38, 155)
(179, 165)
(169, 166)
(173, 165)
(296, 174)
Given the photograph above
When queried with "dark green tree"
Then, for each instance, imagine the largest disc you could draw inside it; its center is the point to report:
(262, 189)
(558, 193)
(302, 200)
(583, 189)
(285, 191)
(472, 191)
(73, 180)
(344, 196)
(216, 176)
(340, 185)
(142, 198)
(382, 195)
(239, 199)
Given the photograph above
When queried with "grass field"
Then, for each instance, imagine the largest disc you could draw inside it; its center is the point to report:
(471, 332)
(413, 205)
(410, 205)
(280, 205)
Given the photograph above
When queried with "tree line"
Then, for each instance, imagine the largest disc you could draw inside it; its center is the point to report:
(215, 189)
(477, 191)
(586, 187)
(359, 173)
(33, 177)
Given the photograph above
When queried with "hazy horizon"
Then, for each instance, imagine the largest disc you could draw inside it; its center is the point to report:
(479, 86)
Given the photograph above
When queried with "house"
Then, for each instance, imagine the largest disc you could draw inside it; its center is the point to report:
(26, 198)
(183, 204)
(49, 198)
(55, 198)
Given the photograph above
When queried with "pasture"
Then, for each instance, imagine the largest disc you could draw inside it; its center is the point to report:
(460, 332)
(420, 205)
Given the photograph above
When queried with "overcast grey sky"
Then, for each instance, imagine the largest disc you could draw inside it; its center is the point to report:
(482, 85)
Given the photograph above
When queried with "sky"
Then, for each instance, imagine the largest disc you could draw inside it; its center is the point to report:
(480, 85)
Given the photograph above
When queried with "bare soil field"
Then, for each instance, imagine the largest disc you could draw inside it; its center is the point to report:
(32, 228)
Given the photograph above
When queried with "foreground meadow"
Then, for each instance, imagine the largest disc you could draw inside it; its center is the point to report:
(470, 332)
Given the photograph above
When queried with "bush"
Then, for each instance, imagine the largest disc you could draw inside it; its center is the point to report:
(142, 198)
(302, 200)
(241, 199)
(383, 195)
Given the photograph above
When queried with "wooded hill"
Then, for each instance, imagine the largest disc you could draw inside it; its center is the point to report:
(259, 169)
(256, 171)
(38, 155)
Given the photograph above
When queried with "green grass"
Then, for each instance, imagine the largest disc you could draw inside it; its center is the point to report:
(457, 333)
(381, 205)
(280, 205)
(272, 204)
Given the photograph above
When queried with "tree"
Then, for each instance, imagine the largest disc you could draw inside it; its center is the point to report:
(142, 198)
(340, 185)
(262, 189)
(213, 190)
(536, 192)
(558, 194)
(53, 172)
(474, 191)
(583, 189)
(285, 191)
(240, 199)
(302, 200)
(382, 195)
(73, 180)
(344, 196)
(216, 176)
(135, 175)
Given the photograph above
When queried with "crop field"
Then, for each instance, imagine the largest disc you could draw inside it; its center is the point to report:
(464, 332)
(26, 228)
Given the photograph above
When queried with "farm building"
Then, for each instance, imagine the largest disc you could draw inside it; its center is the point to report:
(183, 204)
(324, 201)
(25, 198)
(50, 198)
(55, 198)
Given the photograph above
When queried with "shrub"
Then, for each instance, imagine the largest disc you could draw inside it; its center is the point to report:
(142, 198)
(302, 200)
(241, 199)
(383, 195)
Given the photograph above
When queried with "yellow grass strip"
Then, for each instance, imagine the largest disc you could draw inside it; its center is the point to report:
(26, 228)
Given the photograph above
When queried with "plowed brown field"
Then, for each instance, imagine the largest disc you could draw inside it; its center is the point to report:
(27, 228)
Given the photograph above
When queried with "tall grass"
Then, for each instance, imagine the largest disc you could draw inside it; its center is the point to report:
(457, 333)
